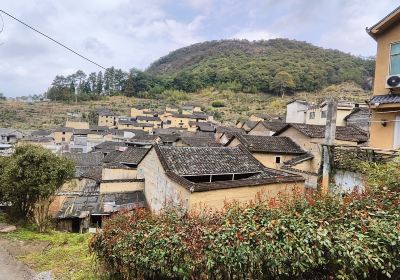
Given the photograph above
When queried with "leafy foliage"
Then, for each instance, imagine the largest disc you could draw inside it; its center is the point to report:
(275, 66)
(30, 177)
(252, 66)
(311, 238)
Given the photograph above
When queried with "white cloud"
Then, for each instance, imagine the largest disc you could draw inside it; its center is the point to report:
(252, 35)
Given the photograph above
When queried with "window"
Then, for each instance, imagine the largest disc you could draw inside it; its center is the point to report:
(312, 115)
(63, 139)
(323, 114)
(277, 159)
(394, 58)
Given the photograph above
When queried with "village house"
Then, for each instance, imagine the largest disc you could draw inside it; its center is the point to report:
(202, 178)
(264, 117)
(190, 109)
(10, 136)
(246, 125)
(103, 185)
(63, 135)
(184, 120)
(155, 121)
(224, 133)
(271, 151)
(358, 117)
(266, 128)
(106, 118)
(296, 111)
(129, 123)
(385, 102)
(310, 139)
(316, 114)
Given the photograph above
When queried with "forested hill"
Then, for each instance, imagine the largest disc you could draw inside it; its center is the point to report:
(260, 66)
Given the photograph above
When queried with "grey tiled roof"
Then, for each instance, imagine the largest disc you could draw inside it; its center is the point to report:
(269, 144)
(181, 162)
(343, 133)
(132, 155)
(274, 125)
(109, 145)
(83, 205)
(385, 99)
(209, 160)
(200, 141)
(88, 159)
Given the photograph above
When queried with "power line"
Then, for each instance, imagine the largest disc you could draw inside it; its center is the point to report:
(54, 40)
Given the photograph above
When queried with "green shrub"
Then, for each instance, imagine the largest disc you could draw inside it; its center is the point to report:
(218, 104)
(312, 238)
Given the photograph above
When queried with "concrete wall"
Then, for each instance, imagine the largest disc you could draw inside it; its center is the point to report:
(59, 136)
(111, 187)
(159, 189)
(382, 60)
(295, 112)
(116, 174)
(216, 199)
(382, 136)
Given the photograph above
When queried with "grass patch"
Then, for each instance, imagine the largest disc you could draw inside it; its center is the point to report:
(67, 256)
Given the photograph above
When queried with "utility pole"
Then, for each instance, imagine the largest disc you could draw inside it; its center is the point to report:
(330, 135)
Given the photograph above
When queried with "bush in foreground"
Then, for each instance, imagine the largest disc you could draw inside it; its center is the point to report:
(312, 238)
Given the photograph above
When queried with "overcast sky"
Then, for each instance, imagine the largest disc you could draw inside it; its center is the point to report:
(133, 33)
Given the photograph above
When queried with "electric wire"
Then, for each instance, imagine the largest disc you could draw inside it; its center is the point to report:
(50, 38)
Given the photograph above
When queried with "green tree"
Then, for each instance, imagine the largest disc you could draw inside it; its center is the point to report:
(2, 97)
(30, 179)
(282, 82)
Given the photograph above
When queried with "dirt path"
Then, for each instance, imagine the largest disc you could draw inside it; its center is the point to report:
(11, 268)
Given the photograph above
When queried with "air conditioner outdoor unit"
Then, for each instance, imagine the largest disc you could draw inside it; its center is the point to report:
(393, 81)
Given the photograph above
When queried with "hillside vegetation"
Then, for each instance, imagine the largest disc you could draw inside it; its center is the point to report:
(258, 66)
(277, 67)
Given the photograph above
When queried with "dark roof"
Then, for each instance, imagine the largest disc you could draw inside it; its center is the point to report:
(200, 141)
(94, 173)
(186, 161)
(147, 118)
(273, 126)
(385, 99)
(134, 123)
(193, 116)
(299, 159)
(109, 145)
(85, 159)
(363, 111)
(270, 144)
(343, 133)
(146, 138)
(223, 129)
(63, 129)
(40, 133)
(104, 112)
(83, 205)
(205, 127)
(169, 137)
(132, 155)
(250, 124)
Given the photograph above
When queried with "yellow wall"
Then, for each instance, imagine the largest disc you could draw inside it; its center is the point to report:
(268, 160)
(341, 114)
(216, 199)
(110, 187)
(161, 191)
(58, 136)
(179, 122)
(136, 112)
(106, 121)
(128, 126)
(382, 136)
(115, 174)
(77, 125)
(383, 57)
